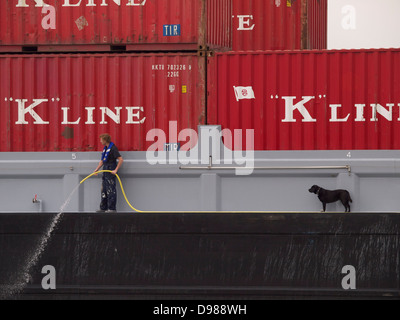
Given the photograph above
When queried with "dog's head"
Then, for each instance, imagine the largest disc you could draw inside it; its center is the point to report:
(314, 189)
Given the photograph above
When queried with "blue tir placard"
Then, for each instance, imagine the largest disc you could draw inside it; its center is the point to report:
(172, 147)
(172, 30)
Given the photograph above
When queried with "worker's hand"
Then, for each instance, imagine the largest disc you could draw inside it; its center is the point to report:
(114, 172)
(95, 173)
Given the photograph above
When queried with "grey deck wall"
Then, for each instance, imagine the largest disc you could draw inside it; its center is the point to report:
(374, 182)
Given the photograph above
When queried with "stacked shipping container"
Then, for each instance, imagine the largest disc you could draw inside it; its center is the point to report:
(329, 100)
(302, 100)
(311, 100)
(62, 102)
(279, 25)
(98, 25)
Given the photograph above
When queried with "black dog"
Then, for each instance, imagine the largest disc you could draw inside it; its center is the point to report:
(327, 196)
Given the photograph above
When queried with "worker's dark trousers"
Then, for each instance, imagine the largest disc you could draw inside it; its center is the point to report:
(109, 189)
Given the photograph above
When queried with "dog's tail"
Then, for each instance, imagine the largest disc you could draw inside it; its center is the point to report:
(350, 199)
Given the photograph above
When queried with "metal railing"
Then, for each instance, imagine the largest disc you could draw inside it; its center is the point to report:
(212, 167)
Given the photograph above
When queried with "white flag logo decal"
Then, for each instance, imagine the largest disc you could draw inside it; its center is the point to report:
(244, 93)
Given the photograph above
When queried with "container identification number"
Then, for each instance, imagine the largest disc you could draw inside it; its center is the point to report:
(173, 70)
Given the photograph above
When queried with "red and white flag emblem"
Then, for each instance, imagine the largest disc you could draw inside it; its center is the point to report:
(244, 93)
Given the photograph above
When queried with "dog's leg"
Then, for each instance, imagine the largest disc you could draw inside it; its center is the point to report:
(324, 207)
(345, 204)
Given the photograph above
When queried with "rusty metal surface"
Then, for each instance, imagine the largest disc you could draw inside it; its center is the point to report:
(279, 24)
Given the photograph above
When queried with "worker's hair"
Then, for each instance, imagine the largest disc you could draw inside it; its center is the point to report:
(106, 137)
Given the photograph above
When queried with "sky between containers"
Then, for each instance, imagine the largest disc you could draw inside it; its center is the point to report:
(357, 24)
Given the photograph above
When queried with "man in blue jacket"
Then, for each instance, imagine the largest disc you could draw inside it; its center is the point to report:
(111, 160)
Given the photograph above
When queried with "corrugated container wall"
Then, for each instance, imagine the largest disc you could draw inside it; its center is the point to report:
(63, 102)
(317, 19)
(279, 24)
(142, 25)
(309, 100)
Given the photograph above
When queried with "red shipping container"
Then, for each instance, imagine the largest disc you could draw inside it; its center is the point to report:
(317, 25)
(279, 25)
(143, 25)
(309, 100)
(64, 102)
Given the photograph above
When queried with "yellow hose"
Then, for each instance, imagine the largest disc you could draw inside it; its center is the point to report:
(120, 183)
(140, 211)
